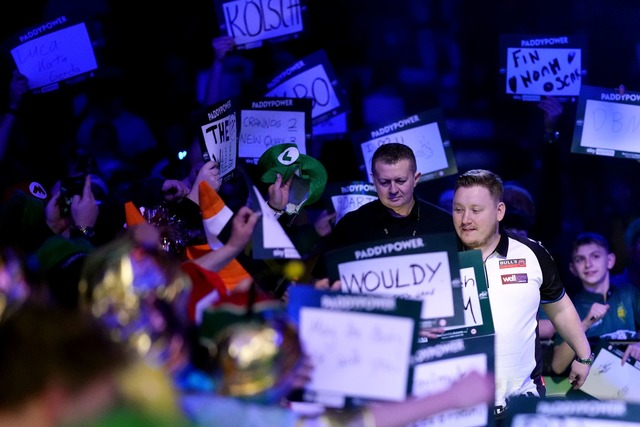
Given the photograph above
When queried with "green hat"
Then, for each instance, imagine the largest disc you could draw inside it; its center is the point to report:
(286, 160)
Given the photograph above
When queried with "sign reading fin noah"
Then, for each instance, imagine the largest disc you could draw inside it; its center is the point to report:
(424, 268)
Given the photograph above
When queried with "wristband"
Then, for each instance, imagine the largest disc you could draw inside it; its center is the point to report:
(276, 212)
(587, 361)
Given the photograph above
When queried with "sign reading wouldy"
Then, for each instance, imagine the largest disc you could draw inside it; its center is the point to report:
(423, 268)
(252, 23)
(54, 52)
(539, 65)
(218, 135)
(426, 133)
(360, 346)
(311, 77)
(607, 123)
(271, 121)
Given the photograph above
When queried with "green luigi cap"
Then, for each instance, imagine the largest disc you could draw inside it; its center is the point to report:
(286, 160)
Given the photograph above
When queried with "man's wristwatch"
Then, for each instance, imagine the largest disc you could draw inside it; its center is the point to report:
(587, 361)
(85, 231)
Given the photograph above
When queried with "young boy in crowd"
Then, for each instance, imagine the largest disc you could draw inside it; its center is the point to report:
(603, 307)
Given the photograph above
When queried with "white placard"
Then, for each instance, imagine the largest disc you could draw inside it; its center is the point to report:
(313, 83)
(357, 354)
(220, 139)
(56, 56)
(611, 125)
(424, 277)
(435, 377)
(345, 203)
(425, 141)
(548, 71)
(609, 379)
(249, 22)
(262, 129)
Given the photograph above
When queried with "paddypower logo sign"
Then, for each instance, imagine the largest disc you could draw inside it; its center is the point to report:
(389, 248)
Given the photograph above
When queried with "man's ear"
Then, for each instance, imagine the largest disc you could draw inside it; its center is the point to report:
(611, 260)
(416, 178)
(502, 210)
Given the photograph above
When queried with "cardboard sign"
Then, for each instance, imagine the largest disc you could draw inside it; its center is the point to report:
(311, 77)
(360, 345)
(437, 366)
(425, 133)
(251, 23)
(218, 135)
(268, 122)
(607, 123)
(537, 65)
(475, 296)
(349, 196)
(610, 379)
(54, 52)
(423, 268)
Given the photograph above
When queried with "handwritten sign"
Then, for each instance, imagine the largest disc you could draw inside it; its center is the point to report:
(250, 23)
(423, 268)
(218, 135)
(475, 296)
(359, 345)
(265, 123)
(311, 77)
(54, 52)
(435, 377)
(349, 196)
(607, 123)
(609, 379)
(542, 65)
(437, 366)
(425, 133)
(410, 276)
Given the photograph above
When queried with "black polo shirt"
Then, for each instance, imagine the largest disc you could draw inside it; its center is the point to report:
(373, 221)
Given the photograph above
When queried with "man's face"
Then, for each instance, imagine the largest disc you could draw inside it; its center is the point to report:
(476, 216)
(591, 264)
(394, 184)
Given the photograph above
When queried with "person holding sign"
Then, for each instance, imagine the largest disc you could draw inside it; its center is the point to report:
(520, 276)
(603, 307)
(259, 360)
(396, 213)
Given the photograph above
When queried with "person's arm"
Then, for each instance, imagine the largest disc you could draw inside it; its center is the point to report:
(565, 319)
(244, 223)
(470, 390)
(563, 354)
